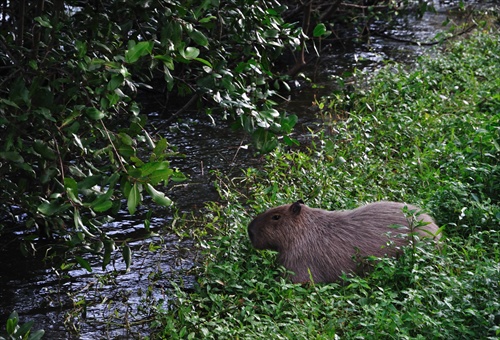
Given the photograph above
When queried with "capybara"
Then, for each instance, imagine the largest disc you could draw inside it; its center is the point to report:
(322, 244)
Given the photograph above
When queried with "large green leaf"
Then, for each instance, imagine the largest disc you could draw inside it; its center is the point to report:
(52, 208)
(133, 199)
(198, 37)
(138, 50)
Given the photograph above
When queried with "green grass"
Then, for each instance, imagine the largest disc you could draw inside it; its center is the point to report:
(428, 135)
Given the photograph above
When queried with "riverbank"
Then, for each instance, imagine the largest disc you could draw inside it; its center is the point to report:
(429, 136)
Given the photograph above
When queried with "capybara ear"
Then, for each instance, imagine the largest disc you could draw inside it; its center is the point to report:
(295, 207)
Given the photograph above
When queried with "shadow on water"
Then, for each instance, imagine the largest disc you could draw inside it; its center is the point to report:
(111, 303)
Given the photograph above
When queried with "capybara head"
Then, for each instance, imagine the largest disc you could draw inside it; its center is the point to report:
(271, 229)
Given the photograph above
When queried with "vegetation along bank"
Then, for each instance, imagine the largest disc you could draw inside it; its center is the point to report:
(426, 134)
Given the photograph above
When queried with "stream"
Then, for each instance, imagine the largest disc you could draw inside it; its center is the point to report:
(109, 304)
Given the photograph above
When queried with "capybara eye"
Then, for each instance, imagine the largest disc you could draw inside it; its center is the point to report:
(276, 217)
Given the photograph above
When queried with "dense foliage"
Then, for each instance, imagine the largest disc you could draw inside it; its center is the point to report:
(74, 142)
(429, 136)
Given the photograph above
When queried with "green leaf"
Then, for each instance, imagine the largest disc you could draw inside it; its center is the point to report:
(159, 148)
(288, 122)
(79, 223)
(290, 141)
(12, 323)
(207, 19)
(158, 197)
(44, 150)
(12, 156)
(94, 113)
(109, 247)
(127, 255)
(270, 113)
(126, 150)
(43, 21)
(115, 81)
(160, 175)
(45, 113)
(134, 198)
(24, 329)
(9, 102)
(125, 139)
(178, 177)
(37, 335)
(84, 263)
(138, 50)
(102, 206)
(189, 53)
(71, 189)
(102, 202)
(168, 78)
(151, 167)
(53, 208)
(81, 47)
(167, 61)
(319, 30)
(198, 37)
(204, 61)
(89, 181)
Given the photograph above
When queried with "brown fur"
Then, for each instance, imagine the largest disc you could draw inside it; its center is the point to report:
(324, 242)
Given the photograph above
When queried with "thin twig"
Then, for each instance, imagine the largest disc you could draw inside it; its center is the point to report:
(113, 146)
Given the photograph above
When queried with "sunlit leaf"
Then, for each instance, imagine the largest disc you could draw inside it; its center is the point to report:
(12, 323)
(189, 53)
(79, 223)
(158, 197)
(43, 21)
(138, 50)
(178, 176)
(71, 189)
(207, 19)
(94, 113)
(320, 31)
(203, 61)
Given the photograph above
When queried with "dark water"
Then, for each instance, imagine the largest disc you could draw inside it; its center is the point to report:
(110, 304)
